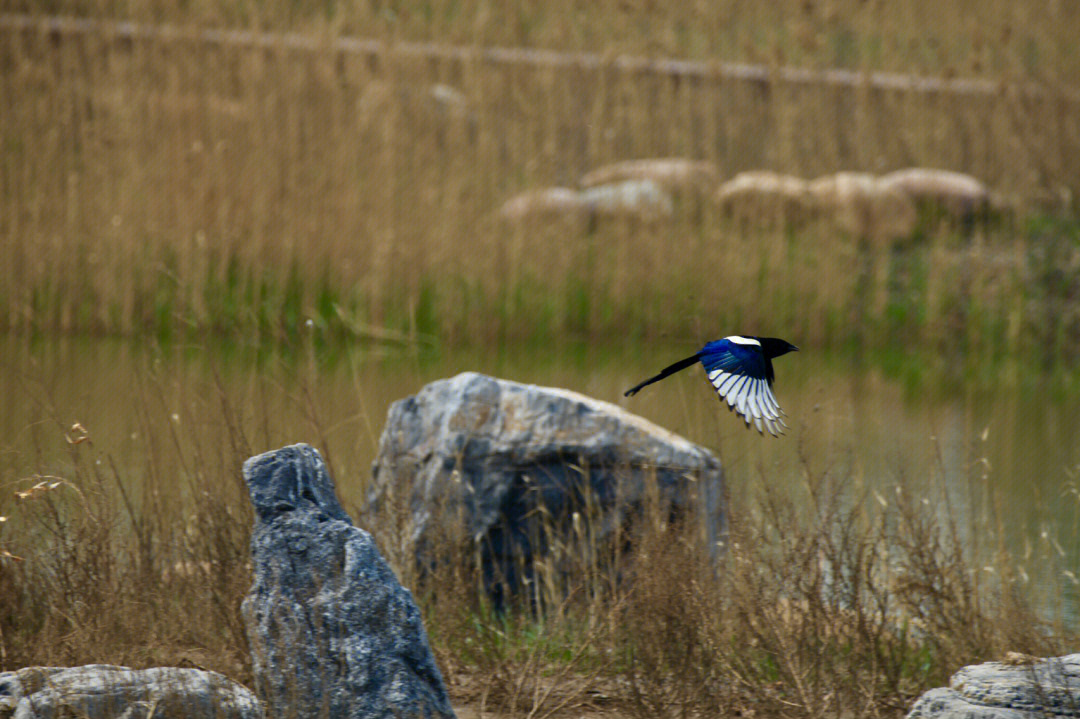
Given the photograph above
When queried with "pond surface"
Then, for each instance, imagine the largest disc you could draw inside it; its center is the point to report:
(1002, 460)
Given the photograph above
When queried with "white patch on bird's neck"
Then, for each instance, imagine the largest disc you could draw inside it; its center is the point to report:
(740, 340)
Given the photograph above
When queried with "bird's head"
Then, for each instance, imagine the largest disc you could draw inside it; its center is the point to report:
(774, 347)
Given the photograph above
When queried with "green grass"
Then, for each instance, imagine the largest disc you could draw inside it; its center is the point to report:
(1012, 296)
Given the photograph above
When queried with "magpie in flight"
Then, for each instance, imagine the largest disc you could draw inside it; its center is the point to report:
(740, 368)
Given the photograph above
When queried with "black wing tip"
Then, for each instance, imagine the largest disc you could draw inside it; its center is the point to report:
(631, 392)
(776, 431)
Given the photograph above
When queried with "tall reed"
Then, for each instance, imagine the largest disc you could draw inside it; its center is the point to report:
(168, 188)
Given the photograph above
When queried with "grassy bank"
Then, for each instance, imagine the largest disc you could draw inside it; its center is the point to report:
(173, 189)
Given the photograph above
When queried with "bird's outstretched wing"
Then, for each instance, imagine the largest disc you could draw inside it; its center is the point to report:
(740, 373)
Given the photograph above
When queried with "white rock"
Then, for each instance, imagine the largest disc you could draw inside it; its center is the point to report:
(764, 197)
(545, 204)
(1000, 690)
(862, 206)
(961, 196)
(101, 691)
(633, 199)
(674, 174)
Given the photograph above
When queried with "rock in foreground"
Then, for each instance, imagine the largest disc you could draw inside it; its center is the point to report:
(1000, 690)
(516, 468)
(99, 691)
(332, 632)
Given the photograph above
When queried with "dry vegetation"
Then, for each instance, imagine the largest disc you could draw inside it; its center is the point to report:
(179, 189)
(826, 600)
(175, 187)
(966, 37)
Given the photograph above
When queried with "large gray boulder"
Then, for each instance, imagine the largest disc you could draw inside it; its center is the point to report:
(1016, 689)
(490, 461)
(99, 691)
(332, 632)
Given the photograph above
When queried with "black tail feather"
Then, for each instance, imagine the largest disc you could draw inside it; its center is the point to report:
(677, 367)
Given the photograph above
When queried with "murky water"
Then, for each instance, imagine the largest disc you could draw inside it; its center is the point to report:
(1003, 460)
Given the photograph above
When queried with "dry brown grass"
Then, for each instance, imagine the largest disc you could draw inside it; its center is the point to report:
(958, 38)
(141, 563)
(173, 187)
(820, 605)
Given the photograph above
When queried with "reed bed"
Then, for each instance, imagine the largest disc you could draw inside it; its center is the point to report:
(175, 188)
